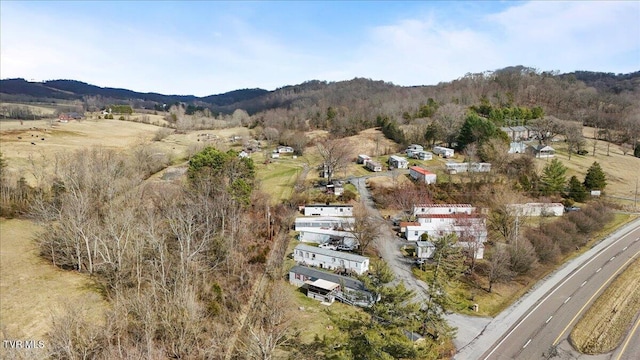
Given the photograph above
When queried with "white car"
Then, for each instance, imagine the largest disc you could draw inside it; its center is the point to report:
(328, 246)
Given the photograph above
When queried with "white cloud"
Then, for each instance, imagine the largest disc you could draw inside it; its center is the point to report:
(232, 52)
(580, 35)
(599, 36)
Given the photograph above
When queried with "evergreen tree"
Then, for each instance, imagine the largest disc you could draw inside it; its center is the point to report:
(553, 178)
(575, 190)
(595, 178)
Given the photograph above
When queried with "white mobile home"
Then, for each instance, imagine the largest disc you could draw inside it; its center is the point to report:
(373, 166)
(442, 209)
(443, 151)
(328, 210)
(327, 236)
(413, 149)
(537, 209)
(455, 168)
(351, 290)
(398, 162)
(326, 222)
(422, 175)
(362, 159)
(423, 155)
(542, 151)
(285, 149)
(330, 259)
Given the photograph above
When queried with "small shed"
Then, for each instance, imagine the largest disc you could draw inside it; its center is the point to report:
(425, 249)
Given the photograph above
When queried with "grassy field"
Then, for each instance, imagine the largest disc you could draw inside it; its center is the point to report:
(621, 170)
(279, 177)
(603, 327)
(40, 109)
(31, 289)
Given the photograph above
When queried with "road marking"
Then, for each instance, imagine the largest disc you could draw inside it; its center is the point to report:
(625, 248)
(566, 301)
(584, 283)
(549, 319)
(525, 345)
(612, 258)
(555, 342)
(572, 274)
(597, 271)
(629, 337)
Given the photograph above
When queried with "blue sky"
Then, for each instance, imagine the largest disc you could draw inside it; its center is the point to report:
(205, 48)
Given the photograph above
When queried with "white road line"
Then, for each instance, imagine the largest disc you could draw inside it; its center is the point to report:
(549, 319)
(612, 258)
(583, 283)
(566, 301)
(572, 274)
(597, 271)
(525, 345)
(625, 248)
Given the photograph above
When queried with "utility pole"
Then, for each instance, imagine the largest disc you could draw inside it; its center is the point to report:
(635, 198)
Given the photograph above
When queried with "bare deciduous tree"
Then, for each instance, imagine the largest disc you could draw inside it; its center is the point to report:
(573, 135)
(547, 128)
(449, 119)
(272, 326)
(365, 227)
(335, 155)
(498, 267)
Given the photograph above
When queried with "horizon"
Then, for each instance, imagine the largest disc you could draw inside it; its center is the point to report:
(209, 48)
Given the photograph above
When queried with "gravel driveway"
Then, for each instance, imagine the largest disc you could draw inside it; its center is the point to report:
(388, 246)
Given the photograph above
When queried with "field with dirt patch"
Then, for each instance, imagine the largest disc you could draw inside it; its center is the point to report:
(31, 289)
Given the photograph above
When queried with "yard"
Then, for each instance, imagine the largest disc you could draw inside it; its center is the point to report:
(31, 289)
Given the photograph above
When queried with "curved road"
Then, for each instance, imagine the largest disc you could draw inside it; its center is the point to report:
(538, 325)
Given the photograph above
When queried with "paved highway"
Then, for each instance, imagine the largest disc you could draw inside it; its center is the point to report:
(550, 321)
(538, 326)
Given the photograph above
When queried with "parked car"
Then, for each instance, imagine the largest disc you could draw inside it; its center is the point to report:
(571, 208)
(343, 247)
(420, 261)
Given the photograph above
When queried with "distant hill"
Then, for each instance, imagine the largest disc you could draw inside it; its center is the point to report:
(21, 89)
(606, 82)
(362, 99)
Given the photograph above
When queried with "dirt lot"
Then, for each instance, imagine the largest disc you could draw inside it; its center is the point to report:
(31, 289)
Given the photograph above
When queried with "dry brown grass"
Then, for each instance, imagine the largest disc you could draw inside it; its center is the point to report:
(603, 327)
(622, 171)
(31, 289)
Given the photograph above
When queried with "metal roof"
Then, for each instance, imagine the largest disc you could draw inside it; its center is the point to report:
(348, 282)
(332, 253)
(421, 170)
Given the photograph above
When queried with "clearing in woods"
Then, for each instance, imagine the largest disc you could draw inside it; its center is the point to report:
(32, 290)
